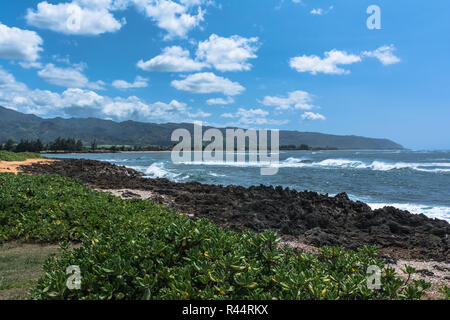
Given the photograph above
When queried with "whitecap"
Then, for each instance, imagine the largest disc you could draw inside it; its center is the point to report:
(157, 170)
(438, 212)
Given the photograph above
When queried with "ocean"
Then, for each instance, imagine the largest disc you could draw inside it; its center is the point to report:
(417, 181)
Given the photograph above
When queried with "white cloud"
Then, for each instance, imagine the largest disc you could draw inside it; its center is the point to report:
(208, 82)
(384, 54)
(80, 17)
(104, 4)
(93, 17)
(312, 116)
(334, 58)
(227, 115)
(67, 77)
(224, 54)
(216, 101)
(228, 54)
(249, 116)
(328, 65)
(199, 114)
(173, 59)
(30, 65)
(298, 100)
(320, 11)
(139, 82)
(134, 108)
(256, 117)
(16, 95)
(19, 44)
(176, 18)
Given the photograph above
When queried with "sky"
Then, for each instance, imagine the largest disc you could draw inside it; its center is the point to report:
(306, 65)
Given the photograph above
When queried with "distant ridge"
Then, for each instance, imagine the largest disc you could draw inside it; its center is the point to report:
(15, 125)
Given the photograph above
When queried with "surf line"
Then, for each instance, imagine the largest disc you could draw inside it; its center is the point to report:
(260, 148)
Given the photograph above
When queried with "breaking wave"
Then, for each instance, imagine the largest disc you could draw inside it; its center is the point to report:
(430, 211)
(157, 170)
(335, 163)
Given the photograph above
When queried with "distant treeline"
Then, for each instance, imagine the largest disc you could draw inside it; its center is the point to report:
(61, 145)
(70, 145)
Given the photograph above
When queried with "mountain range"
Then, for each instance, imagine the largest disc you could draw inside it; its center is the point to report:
(15, 125)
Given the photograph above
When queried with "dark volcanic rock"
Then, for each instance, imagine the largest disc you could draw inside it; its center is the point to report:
(309, 217)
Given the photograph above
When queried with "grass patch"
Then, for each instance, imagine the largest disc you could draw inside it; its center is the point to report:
(22, 156)
(136, 249)
(21, 267)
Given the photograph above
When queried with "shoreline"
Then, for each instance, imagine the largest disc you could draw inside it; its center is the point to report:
(14, 166)
(431, 265)
(308, 217)
(165, 151)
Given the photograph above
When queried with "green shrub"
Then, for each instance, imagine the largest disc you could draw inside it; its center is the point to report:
(135, 249)
(22, 156)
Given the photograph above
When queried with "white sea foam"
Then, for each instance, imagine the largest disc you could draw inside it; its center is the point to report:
(157, 170)
(334, 163)
(375, 165)
(216, 174)
(430, 211)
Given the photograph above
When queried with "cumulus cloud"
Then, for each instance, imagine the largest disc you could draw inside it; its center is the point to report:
(19, 44)
(223, 54)
(88, 17)
(81, 102)
(297, 100)
(139, 82)
(68, 77)
(208, 82)
(16, 95)
(172, 59)
(328, 65)
(80, 17)
(220, 101)
(331, 61)
(176, 18)
(384, 54)
(228, 54)
(135, 108)
(312, 116)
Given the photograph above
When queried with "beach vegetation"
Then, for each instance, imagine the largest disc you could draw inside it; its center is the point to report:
(137, 249)
(21, 156)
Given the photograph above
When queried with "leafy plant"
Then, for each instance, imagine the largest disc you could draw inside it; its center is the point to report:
(446, 292)
(136, 249)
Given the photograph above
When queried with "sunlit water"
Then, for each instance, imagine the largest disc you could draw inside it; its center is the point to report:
(417, 181)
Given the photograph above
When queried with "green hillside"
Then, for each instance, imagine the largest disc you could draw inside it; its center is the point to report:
(15, 125)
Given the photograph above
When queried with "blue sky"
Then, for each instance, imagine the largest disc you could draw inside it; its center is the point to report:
(301, 65)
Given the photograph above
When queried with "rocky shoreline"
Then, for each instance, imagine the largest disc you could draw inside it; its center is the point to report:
(305, 217)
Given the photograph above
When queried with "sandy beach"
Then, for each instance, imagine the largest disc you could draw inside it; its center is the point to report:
(14, 166)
